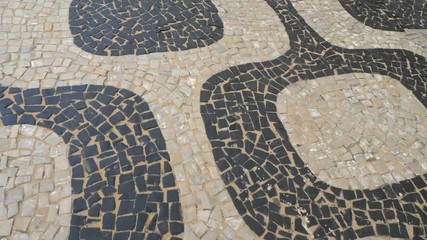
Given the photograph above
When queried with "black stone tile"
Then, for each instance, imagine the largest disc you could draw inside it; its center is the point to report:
(90, 165)
(126, 207)
(79, 204)
(10, 119)
(121, 235)
(173, 196)
(153, 236)
(176, 228)
(125, 223)
(137, 236)
(94, 210)
(105, 235)
(89, 233)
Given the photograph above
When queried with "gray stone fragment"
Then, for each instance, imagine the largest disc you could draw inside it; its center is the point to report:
(29, 207)
(3, 179)
(22, 179)
(3, 212)
(46, 186)
(4, 144)
(12, 210)
(49, 234)
(1, 195)
(20, 236)
(62, 233)
(14, 195)
(3, 162)
(38, 224)
(5, 227)
(25, 171)
(21, 223)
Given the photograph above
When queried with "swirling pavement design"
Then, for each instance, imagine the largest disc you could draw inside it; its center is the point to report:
(122, 182)
(312, 213)
(277, 195)
(241, 39)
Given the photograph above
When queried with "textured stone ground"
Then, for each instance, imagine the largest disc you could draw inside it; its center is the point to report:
(354, 131)
(36, 178)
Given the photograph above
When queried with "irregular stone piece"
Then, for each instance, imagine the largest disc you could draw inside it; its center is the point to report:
(5, 227)
(15, 195)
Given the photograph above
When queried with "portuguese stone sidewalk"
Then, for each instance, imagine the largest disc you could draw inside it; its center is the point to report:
(247, 119)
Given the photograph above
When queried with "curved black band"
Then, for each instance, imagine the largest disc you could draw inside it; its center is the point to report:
(122, 179)
(391, 15)
(271, 187)
(123, 27)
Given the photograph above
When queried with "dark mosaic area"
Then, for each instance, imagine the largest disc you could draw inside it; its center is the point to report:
(125, 27)
(271, 187)
(393, 15)
(122, 181)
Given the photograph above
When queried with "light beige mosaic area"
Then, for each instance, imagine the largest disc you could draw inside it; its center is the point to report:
(35, 184)
(356, 131)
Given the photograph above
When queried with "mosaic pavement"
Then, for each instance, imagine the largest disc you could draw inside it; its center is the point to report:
(193, 119)
(35, 167)
(395, 15)
(132, 27)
